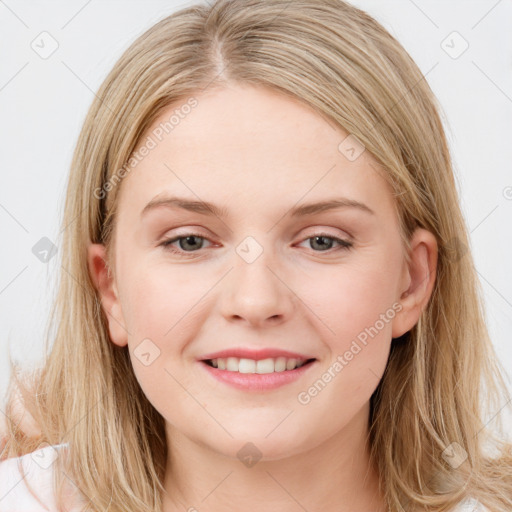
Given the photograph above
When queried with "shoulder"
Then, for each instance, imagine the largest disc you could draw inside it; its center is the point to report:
(470, 505)
(36, 469)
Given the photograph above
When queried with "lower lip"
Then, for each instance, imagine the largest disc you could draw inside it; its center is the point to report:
(257, 381)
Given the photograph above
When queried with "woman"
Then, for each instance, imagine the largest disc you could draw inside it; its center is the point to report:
(329, 318)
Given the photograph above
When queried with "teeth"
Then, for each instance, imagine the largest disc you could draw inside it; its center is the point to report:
(270, 365)
(232, 364)
(291, 364)
(243, 366)
(265, 366)
(280, 364)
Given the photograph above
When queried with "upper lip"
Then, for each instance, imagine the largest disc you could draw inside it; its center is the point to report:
(256, 354)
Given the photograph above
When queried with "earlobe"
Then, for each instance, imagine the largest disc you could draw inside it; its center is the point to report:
(418, 283)
(104, 283)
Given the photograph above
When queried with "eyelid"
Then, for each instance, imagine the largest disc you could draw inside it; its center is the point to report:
(325, 231)
(319, 232)
(173, 234)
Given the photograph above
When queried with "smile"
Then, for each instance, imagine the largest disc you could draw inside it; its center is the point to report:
(261, 366)
(252, 375)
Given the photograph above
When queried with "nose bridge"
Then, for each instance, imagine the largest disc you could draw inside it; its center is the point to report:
(253, 291)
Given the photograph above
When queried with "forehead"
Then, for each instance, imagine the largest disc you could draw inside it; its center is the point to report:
(251, 145)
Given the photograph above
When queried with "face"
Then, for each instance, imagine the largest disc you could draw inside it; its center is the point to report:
(262, 272)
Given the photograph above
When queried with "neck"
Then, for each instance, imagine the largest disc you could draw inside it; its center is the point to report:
(335, 476)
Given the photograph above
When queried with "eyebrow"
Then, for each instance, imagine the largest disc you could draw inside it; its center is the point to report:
(206, 208)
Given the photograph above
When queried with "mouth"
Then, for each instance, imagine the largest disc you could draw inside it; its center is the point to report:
(260, 366)
(257, 375)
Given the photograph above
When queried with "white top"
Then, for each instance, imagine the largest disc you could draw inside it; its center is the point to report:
(15, 496)
(39, 469)
(468, 505)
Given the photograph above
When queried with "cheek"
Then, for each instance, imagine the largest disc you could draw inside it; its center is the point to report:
(355, 300)
(158, 307)
(157, 301)
(356, 303)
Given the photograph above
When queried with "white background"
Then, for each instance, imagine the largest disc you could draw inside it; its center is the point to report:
(43, 103)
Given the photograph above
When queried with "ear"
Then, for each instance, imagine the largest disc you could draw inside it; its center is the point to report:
(107, 291)
(418, 278)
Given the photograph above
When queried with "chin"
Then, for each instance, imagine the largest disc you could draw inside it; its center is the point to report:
(254, 446)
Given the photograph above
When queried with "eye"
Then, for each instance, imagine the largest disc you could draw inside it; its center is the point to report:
(192, 242)
(189, 242)
(324, 242)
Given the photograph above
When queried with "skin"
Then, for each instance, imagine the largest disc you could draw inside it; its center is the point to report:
(259, 154)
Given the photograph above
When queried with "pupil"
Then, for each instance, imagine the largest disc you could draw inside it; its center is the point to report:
(322, 239)
(186, 241)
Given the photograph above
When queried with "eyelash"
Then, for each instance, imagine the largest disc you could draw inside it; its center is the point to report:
(166, 244)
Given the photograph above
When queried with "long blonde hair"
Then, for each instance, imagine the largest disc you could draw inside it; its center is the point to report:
(443, 381)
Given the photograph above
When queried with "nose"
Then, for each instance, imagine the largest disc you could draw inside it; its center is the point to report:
(255, 293)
